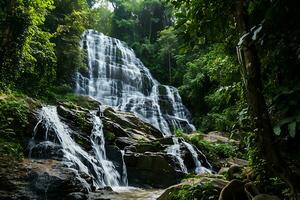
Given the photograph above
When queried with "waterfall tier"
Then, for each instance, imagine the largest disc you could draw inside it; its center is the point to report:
(93, 163)
(116, 77)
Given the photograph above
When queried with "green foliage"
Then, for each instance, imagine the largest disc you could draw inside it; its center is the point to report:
(68, 21)
(203, 191)
(138, 22)
(110, 137)
(11, 149)
(213, 79)
(214, 151)
(101, 19)
(22, 40)
(13, 115)
(14, 110)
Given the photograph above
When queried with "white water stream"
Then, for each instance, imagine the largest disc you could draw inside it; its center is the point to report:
(118, 79)
(97, 165)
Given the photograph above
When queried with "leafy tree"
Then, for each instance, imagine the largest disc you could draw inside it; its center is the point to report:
(23, 39)
(68, 21)
(216, 21)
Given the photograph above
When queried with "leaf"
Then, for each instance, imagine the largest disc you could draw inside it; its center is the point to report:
(277, 130)
(292, 129)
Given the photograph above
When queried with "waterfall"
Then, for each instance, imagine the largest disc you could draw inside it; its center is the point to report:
(111, 175)
(116, 77)
(96, 165)
(198, 169)
(176, 152)
(124, 169)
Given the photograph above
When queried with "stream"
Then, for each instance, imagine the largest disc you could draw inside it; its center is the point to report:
(129, 193)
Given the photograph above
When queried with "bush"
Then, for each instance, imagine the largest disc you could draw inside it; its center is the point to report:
(14, 110)
(203, 191)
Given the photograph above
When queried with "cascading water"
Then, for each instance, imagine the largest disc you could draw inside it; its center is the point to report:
(199, 168)
(96, 165)
(116, 77)
(176, 152)
(111, 175)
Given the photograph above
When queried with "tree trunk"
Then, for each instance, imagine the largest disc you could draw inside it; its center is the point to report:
(250, 69)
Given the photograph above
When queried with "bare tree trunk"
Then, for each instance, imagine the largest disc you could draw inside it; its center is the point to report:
(250, 68)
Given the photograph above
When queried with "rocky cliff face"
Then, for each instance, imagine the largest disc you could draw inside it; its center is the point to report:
(129, 142)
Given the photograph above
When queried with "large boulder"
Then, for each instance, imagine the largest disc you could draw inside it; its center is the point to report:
(40, 179)
(196, 188)
(131, 125)
(233, 190)
(147, 169)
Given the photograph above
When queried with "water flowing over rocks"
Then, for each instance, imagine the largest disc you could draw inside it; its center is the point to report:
(74, 152)
(83, 147)
(116, 77)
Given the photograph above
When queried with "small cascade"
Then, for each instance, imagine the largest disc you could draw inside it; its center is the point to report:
(116, 77)
(176, 152)
(96, 165)
(124, 169)
(111, 175)
(199, 168)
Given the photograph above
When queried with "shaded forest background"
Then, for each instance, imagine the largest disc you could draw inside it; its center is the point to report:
(194, 45)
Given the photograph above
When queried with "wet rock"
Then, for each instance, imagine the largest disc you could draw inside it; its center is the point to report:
(143, 147)
(166, 141)
(129, 122)
(46, 150)
(114, 128)
(77, 117)
(114, 154)
(76, 196)
(80, 121)
(123, 142)
(39, 179)
(149, 168)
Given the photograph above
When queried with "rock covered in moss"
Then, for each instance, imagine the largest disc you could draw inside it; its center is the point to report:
(199, 187)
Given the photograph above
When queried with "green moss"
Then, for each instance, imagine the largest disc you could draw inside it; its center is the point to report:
(14, 111)
(203, 191)
(214, 151)
(109, 136)
(11, 148)
(66, 94)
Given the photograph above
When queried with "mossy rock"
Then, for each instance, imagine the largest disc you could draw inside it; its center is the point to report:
(199, 187)
(80, 117)
(16, 122)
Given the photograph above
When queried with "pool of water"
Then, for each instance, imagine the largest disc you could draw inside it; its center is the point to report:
(129, 193)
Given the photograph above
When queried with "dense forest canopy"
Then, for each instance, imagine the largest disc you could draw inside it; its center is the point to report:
(235, 63)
